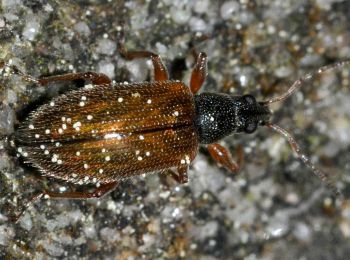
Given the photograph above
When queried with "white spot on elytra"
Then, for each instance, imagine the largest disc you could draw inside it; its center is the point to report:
(31, 126)
(64, 126)
(120, 99)
(77, 125)
(100, 170)
(60, 130)
(37, 135)
(89, 86)
(103, 150)
(74, 175)
(52, 103)
(211, 119)
(176, 113)
(83, 98)
(137, 152)
(86, 178)
(89, 117)
(107, 158)
(136, 94)
(81, 103)
(86, 166)
(47, 131)
(25, 154)
(46, 152)
(148, 153)
(63, 118)
(141, 137)
(59, 161)
(57, 144)
(139, 158)
(77, 153)
(186, 160)
(42, 147)
(54, 158)
(149, 101)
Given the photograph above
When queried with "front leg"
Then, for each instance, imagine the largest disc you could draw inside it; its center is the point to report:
(223, 157)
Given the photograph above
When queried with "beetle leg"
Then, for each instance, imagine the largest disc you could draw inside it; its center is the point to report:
(181, 176)
(223, 157)
(160, 72)
(98, 193)
(199, 72)
(93, 77)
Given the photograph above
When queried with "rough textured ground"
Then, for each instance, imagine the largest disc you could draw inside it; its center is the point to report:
(274, 209)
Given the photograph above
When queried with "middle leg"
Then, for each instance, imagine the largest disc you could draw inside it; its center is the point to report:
(199, 73)
(160, 72)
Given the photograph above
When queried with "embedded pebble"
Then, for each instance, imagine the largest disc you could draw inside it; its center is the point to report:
(106, 46)
(7, 116)
(302, 232)
(201, 6)
(107, 68)
(228, 8)
(197, 24)
(110, 235)
(31, 29)
(82, 28)
(6, 234)
(180, 14)
(26, 222)
(52, 248)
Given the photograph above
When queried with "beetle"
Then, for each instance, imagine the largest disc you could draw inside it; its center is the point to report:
(106, 132)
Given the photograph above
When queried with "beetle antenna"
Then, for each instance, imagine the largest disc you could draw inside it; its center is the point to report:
(12, 69)
(300, 82)
(306, 160)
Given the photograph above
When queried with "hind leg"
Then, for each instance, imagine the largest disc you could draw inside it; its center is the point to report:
(93, 77)
(97, 193)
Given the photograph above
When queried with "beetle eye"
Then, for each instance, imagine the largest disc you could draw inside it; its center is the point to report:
(250, 127)
(249, 99)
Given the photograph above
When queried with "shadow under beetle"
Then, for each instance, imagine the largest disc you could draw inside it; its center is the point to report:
(106, 132)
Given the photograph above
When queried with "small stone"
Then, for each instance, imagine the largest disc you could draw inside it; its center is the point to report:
(228, 8)
(106, 46)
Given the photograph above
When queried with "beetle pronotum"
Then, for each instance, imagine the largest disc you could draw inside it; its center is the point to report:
(105, 132)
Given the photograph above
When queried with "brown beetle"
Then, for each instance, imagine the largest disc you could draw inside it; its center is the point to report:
(104, 132)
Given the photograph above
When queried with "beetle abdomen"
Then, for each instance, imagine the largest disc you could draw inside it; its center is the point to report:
(111, 132)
